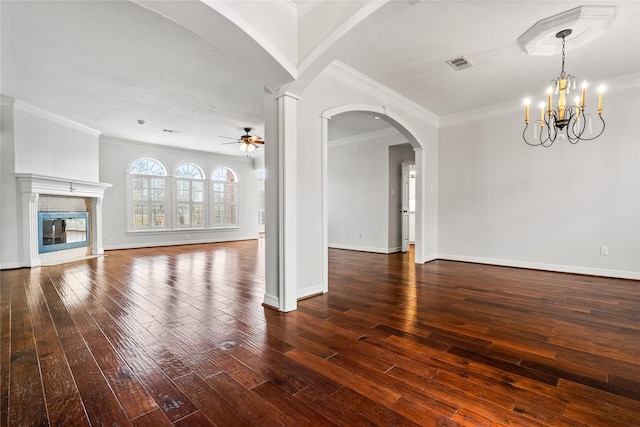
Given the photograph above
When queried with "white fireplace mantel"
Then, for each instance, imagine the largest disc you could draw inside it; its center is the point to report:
(32, 185)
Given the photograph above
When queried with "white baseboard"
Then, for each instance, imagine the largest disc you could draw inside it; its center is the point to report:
(309, 291)
(175, 243)
(272, 301)
(364, 248)
(12, 265)
(546, 267)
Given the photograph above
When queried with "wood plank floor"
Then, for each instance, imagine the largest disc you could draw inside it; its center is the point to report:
(178, 336)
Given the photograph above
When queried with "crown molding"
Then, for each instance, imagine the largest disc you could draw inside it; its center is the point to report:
(46, 115)
(104, 139)
(287, 6)
(349, 75)
(616, 84)
(368, 136)
(7, 101)
(307, 6)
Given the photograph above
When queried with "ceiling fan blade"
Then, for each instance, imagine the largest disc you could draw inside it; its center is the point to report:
(258, 141)
(227, 137)
(226, 143)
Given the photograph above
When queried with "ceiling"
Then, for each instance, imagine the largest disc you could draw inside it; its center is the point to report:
(107, 65)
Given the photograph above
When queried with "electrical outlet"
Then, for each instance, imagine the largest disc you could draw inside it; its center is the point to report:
(110, 239)
(186, 236)
(604, 250)
(359, 235)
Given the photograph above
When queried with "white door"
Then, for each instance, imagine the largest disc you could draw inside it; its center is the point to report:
(406, 179)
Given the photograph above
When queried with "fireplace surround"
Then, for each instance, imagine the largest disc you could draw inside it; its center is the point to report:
(31, 187)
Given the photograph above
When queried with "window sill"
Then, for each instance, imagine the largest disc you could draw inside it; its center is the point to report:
(179, 230)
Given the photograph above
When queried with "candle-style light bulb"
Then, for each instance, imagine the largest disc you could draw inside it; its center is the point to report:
(541, 114)
(526, 110)
(549, 102)
(601, 90)
(584, 94)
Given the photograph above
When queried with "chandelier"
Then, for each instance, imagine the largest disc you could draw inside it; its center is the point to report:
(566, 120)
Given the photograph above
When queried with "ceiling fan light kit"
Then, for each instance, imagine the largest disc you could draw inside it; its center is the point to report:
(248, 142)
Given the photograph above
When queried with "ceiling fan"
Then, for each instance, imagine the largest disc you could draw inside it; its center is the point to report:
(249, 142)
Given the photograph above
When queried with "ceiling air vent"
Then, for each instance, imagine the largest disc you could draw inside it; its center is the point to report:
(460, 63)
(170, 130)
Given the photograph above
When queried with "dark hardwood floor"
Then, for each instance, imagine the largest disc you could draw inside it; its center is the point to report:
(178, 336)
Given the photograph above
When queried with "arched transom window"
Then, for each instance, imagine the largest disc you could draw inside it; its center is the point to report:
(148, 195)
(190, 186)
(224, 195)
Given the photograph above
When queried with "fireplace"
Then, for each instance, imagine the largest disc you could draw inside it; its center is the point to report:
(61, 219)
(59, 231)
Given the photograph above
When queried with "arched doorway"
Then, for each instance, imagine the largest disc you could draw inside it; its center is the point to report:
(377, 113)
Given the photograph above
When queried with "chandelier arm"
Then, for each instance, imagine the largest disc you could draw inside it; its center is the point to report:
(600, 133)
(524, 137)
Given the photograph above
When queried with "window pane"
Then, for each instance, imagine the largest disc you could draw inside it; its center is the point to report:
(157, 189)
(231, 215)
(140, 215)
(157, 215)
(147, 166)
(140, 188)
(230, 198)
(198, 212)
(184, 216)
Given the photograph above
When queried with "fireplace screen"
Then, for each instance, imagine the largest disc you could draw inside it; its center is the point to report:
(62, 230)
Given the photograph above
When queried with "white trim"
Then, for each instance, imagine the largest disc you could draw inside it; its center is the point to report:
(617, 84)
(12, 265)
(310, 291)
(272, 301)
(176, 243)
(349, 75)
(7, 101)
(172, 149)
(367, 136)
(287, 6)
(307, 6)
(44, 114)
(544, 267)
(365, 248)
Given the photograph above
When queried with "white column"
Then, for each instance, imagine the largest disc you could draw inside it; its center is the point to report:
(30, 228)
(281, 191)
(421, 207)
(96, 226)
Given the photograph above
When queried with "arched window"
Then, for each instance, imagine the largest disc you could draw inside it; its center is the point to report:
(224, 195)
(189, 195)
(148, 195)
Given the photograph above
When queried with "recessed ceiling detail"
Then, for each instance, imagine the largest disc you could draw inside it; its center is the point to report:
(586, 23)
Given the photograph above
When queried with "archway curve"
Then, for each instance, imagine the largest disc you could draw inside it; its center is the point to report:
(380, 110)
(220, 25)
(398, 124)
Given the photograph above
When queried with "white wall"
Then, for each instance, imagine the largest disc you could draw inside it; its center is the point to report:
(9, 238)
(360, 195)
(115, 158)
(338, 86)
(504, 202)
(46, 144)
(38, 142)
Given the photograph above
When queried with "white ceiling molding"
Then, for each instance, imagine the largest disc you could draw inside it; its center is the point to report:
(287, 6)
(390, 133)
(39, 112)
(617, 84)
(7, 101)
(172, 149)
(586, 23)
(306, 6)
(359, 80)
